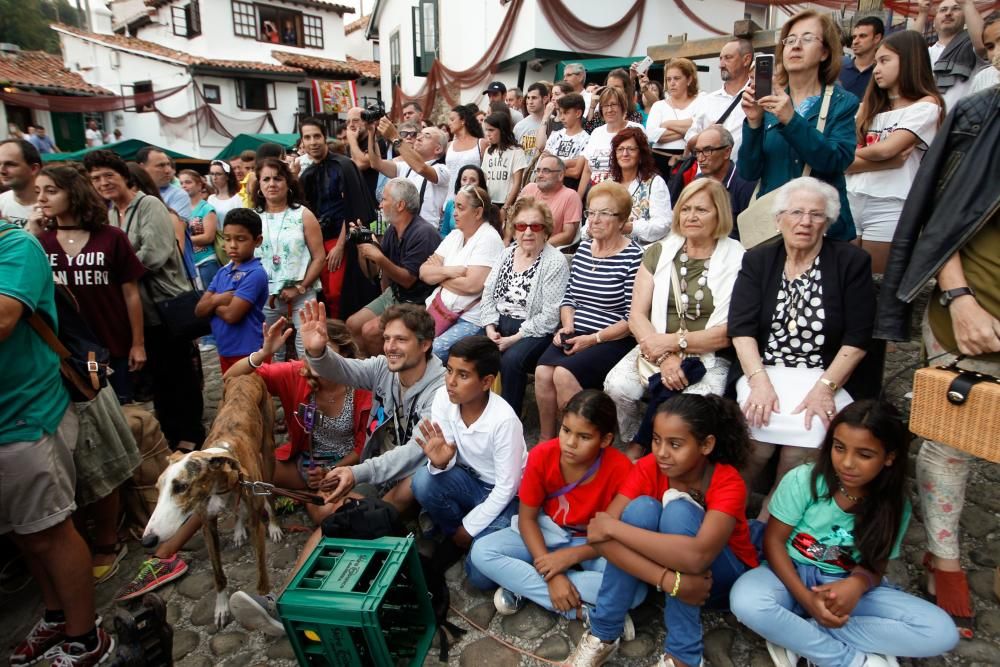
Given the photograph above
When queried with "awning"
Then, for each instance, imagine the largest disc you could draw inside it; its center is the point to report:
(242, 142)
(126, 150)
(598, 64)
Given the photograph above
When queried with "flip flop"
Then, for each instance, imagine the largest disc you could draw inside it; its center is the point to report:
(104, 572)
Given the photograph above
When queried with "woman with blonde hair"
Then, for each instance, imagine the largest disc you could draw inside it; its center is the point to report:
(679, 311)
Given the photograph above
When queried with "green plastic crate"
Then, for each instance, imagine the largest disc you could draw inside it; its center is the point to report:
(359, 603)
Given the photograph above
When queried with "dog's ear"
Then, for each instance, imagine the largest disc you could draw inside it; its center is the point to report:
(176, 456)
(217, 462)
(228, 466)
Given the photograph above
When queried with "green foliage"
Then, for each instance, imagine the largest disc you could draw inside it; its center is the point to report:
(26, 22)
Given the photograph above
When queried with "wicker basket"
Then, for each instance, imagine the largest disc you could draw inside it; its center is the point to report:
(972, 426)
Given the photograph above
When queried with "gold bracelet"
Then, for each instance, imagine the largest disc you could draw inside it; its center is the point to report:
(759, 370)
(677, 584)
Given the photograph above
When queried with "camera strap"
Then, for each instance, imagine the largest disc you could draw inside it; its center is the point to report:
(423, 186)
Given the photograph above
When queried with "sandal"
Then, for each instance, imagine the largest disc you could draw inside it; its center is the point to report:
(953, 595)
(104, 572)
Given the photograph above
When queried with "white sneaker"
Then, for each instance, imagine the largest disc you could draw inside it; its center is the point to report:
(628, 630)
(507, 603)
(876, 660)
(781, 656)
(256, 612)
(591, 652)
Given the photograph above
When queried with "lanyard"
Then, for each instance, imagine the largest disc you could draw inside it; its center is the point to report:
(572, 485)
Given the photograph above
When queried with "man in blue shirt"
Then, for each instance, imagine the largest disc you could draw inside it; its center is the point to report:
(161, 169)
(42, 141)
(857, 71)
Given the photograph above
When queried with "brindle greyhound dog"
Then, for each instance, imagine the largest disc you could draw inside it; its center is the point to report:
(240, 447)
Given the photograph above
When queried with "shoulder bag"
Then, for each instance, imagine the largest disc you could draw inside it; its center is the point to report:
(645, 367)
(177, 312)
(756, 222)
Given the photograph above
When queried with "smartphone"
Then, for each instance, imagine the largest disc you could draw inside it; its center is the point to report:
(763, 74)
(567, 343)
(643, 65)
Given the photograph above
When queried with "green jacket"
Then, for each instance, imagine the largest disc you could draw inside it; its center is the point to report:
(776, 153)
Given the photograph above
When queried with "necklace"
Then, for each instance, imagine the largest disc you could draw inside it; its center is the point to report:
(69, 228)
(853, 499)
(699, 294)
(272, 239)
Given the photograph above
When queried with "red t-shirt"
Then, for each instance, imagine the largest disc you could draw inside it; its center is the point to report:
(95, 276)
(284, 380)
(727, 493)
(542, 476)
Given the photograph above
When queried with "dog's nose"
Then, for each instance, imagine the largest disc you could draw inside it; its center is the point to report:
(150, 541)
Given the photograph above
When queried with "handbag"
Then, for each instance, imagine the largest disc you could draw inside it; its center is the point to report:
(177, 312)
(958, 408)
(644, 366)
(363, 519)
(443, 316)
(756, 222)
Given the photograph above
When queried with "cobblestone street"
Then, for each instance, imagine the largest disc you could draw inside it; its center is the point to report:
(197, 643)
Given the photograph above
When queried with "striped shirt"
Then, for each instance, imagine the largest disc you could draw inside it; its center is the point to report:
(600, 290)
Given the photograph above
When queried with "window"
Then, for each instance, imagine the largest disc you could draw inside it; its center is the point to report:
(212, 94)
(138, 88)
(244, 19)
(394, 68)
(255, 95)
(312, 28)
(424, 18)
(305, 102)
(187, 20)
(376, 52)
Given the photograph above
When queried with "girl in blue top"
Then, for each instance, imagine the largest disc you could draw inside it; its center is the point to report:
(833, 528)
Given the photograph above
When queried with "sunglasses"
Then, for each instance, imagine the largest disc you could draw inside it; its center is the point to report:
(534, 226)
(407, 134)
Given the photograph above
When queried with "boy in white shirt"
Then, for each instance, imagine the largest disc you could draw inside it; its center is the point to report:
(569, 142)
(475, 450)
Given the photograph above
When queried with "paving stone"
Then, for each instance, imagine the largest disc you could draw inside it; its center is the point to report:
(761, 659)
(719, 646)
(196, 661)
(482, 614)
(977, 522)
(915, 534)
(981, 583)
(243, 574)
(988, 622)
(196, 542)
(530, 623)
(987, 555)
(185, 641)
(576, 630)
(281, 649)
(226, 643)
(203, 612)
(284, 557)
(978, 649)
(643, 646)
(553, 647)
(194, 585)
(486, 651)
(173, 613)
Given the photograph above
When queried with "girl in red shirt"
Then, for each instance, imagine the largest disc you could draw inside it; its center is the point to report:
(544, 556)
(677, 523)
(325, 420)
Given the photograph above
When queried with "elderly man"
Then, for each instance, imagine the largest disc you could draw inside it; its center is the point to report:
(575, 74)
(956, 56)
(735, 60)
(423, 165)
(515, 99)
(408, 241)
(562, 201)
(856, 71)
(357, 142)
(160, 168)
(713, 149)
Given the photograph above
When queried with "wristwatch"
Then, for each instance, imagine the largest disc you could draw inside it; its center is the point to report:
(396, 143)
(950, 295)
(682, 341)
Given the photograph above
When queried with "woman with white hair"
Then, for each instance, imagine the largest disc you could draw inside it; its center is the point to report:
(801, 319)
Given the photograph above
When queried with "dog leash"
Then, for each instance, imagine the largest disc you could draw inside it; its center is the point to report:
(259, 488)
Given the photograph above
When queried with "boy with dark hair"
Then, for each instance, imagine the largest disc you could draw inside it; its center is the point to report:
(238, 292)
(569, 142)
(474, 443)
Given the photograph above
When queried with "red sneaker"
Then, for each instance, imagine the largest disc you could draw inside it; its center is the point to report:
(154, 573)
(73, 654)
(42, 637)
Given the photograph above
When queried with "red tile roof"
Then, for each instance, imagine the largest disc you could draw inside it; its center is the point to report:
(316, 64)
(360, 24)
(37, 69)
(369, 68)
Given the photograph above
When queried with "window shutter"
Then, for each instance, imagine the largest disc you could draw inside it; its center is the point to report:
(194, 18)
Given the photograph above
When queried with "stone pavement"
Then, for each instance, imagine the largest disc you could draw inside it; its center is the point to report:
(197, 643)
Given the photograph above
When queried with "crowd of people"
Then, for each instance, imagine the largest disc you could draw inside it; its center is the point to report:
(409, 286)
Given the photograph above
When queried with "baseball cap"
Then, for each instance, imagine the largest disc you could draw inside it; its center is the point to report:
(496, 87)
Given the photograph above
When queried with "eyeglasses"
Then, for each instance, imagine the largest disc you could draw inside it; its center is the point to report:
(605, 213)
(806, 39)
(534, 226)
(573, 74)
(610, 105)
(627, 149)
(708, 150)
(546, 171)
(798, 214)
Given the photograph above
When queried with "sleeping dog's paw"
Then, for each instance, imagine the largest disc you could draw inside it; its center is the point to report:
(221, 610)
(274, 532)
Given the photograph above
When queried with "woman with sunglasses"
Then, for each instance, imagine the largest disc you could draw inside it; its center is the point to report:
(779, 133)
(632, 165)
(227, 189)
(521, 297)
(593, 334)
(326, 421)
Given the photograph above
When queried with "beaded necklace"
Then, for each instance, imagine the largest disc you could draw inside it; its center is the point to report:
(699, 294)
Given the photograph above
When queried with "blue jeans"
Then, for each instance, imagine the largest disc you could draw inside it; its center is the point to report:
(517, 361)
(447, 497)
(886, 621)
(503, 558)
(683, 621)
(456, 332)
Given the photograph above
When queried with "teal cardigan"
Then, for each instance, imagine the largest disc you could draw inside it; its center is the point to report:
(776, 153)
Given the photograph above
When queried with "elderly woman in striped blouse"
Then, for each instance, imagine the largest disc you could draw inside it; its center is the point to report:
(593, 335)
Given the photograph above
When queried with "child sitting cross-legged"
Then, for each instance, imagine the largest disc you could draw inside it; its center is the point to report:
(834, 526)
(545, 557)
(677, 523)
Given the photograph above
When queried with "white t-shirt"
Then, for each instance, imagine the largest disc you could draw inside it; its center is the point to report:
(500, 167)
(13, 211)
(598, 152)
(525, 132)
(564, 146)
(224, 206)
(710, 108)
(920, 118)
(434, 194)
(987, 78)
(484, 248)
(661, 112)
(94, 137)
